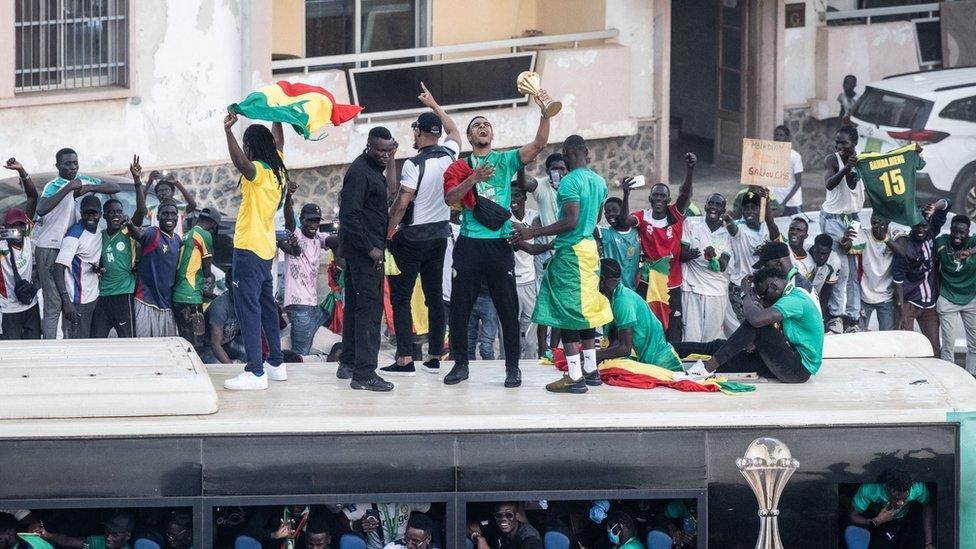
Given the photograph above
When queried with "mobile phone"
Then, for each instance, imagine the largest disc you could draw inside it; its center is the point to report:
(555, 177)
(856, 225)
(639, 181)
(330, 227)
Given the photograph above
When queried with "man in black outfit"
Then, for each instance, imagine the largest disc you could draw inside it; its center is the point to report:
(362, 238)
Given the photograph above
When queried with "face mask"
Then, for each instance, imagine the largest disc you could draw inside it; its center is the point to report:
(614, 538)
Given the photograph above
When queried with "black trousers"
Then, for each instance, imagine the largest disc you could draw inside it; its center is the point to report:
(773, 355)
(114, 311)
(23, 325)
(905, 533)
(491, 261)
(363, 315)
(426, 258)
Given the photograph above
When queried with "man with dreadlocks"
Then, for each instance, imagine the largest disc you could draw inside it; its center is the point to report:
(263, 177)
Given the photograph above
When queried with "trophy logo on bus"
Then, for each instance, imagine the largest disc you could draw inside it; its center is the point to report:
(767, 466)
(530, 83)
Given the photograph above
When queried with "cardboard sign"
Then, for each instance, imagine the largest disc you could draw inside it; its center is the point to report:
(765, 163)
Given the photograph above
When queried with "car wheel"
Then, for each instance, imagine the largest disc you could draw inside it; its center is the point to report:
(965, 199)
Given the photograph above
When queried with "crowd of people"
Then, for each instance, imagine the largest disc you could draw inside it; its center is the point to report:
(447, 249)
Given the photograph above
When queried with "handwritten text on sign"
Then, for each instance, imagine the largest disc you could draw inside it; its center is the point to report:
(765, 163)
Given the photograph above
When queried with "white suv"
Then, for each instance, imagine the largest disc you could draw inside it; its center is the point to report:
(937, 110)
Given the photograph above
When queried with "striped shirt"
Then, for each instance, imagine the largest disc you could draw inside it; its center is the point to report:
(80, 252)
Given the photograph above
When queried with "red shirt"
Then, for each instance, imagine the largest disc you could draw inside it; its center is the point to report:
(657, 242)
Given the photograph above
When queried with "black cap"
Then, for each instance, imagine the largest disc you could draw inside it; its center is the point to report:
(119, 523)
(428, 122)
(752, 197)
(91, 203)
(212, 214)
(311, 210)
(771, 251)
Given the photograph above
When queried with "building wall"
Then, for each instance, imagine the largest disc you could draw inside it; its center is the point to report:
(484, 21)
(182, 84)
(288, 28)
(800, 45)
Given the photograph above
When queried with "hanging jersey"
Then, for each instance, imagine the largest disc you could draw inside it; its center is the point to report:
(889, 180)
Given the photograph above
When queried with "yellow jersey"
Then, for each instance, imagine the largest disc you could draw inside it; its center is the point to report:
(260, 197)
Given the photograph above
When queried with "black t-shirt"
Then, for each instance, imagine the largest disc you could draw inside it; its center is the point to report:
(526, 537)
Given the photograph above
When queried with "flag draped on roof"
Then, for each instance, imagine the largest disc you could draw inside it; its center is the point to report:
(656, 272)
(626, 372)
(307, 108)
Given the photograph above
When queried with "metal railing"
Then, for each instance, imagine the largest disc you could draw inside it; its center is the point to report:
(930, 10)
(306, 64)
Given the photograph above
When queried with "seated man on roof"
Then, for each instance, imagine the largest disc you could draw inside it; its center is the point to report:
(635, 331)
(781, 337)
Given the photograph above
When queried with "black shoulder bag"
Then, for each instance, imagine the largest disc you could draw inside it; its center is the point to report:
(24, 290)
(486, 211)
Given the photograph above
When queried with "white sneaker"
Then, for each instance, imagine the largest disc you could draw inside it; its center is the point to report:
(696, 372)
(247, 381)
(276, 373)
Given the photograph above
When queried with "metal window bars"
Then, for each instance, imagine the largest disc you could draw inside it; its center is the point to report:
(71, 44)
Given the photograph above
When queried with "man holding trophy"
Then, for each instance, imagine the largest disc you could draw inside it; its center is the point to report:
(482, 184)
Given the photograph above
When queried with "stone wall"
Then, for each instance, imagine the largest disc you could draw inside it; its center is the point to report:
(216, 186)
(812, 138)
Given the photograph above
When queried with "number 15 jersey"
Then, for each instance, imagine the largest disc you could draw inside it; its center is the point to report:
(889, 179)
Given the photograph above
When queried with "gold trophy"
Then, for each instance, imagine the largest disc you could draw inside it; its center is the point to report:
(530, 83)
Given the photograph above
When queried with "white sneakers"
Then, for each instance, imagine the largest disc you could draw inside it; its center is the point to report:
(696, 372)
(276, 373)
(247, 381)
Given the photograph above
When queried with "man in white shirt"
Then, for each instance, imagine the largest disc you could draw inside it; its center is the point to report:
(840, 209)
(825, 265)
(418, 231)
(77, 268)
(56, 213)
(381, 523)
(21, 320)
(875, 254)
(706, 255)
(544, 190)
(790, 196)
(747, 235)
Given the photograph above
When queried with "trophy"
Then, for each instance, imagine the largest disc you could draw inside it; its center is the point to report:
(530, 83)
(767, 466)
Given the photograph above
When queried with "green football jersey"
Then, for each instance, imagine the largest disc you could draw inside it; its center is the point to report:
(889, 179)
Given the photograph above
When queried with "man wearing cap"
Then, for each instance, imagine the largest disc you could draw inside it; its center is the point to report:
(418, 231)
(21, 320)
(194, 279)
(118, 532)
(77, 269)
(56, 214)
(117, 285)
(748, 234)
(304, 252)
(778, 256)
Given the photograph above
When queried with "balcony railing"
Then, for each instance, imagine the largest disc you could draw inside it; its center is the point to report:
(434, 52)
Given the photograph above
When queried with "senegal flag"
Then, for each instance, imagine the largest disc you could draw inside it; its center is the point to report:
(655, 273)
(889, 179)
(307, 108)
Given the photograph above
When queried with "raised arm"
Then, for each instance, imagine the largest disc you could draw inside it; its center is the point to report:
(774, 234)
(279, 136)
(191, 205)
(136, 170)
(450, 128)
(399, 208)
(527, 153)
(289, 208)
(685, 192)
(834, 174)
(237, 155)
(392, 181)
(30, 191)
(627, 185)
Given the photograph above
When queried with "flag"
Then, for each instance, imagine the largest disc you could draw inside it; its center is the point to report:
(332, 304)
(307, 108)
(889, 181)
(454, 175)
(626, 372)
(655, 273)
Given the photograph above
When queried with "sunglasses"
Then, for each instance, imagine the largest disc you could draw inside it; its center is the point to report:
(507, 515)
(180, 534)
(411, 542)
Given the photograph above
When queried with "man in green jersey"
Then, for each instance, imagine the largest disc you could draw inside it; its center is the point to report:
(897, 512)
(635, 331)
(484, 254)
(620, 241)
(791, 354)
(569, 296)
(118, 532)
(957, 288)
(117, 284)
(192, 274)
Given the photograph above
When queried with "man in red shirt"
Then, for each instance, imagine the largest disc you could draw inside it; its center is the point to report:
(660, 229)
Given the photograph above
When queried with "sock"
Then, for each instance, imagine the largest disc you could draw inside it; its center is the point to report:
(575, 371)
(589, 360)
